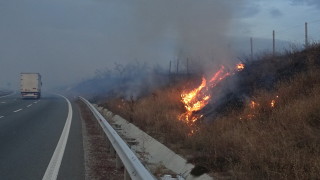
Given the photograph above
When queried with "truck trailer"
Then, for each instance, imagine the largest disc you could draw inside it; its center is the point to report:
(30, 85)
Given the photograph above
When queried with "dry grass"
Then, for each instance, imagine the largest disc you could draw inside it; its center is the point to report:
(278, 143)
(154, 114)
(281, 142)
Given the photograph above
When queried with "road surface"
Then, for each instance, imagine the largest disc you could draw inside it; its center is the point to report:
(29, 134)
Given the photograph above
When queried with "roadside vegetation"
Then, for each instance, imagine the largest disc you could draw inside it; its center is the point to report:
(268, 127)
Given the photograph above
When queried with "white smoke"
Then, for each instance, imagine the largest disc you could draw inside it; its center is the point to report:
(196, 29)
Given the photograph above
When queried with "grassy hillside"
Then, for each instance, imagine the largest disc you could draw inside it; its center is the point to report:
(266, 127)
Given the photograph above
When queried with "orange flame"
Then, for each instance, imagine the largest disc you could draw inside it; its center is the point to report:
(190, 99)
(193, 101)
(219, 76)
(199, 97)
(240, 66)
(253, 104)
(273, 102)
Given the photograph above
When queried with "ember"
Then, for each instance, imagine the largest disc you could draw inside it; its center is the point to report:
(240, 67)
(254, 108)
(273, 102)
(253, 104)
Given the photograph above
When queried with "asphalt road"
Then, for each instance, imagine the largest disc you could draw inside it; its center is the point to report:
(29, 133)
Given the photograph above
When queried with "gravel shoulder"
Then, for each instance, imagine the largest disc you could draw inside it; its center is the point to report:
(99, 162)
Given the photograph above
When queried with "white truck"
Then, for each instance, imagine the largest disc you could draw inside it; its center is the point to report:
(30, 85)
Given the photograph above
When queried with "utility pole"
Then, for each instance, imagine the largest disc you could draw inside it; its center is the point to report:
(273, 43)
(306, 34)
(251, 47)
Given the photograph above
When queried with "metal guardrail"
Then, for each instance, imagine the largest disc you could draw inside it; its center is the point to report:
(130, 161)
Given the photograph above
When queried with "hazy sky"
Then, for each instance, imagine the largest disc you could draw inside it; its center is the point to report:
(67, 40)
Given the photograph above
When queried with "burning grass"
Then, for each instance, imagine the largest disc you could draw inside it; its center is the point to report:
(276, 143)
(273, 134)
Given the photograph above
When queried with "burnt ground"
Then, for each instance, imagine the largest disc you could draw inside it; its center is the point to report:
(99, 163)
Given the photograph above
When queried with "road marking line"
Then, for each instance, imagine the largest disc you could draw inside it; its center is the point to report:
(35, 102)
(3, 102)
(17, 110)
(55, 162)
(1, 117)
(29, 105)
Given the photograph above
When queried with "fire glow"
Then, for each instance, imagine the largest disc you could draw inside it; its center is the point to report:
(254, 110)
(253, 104)
(199, 97)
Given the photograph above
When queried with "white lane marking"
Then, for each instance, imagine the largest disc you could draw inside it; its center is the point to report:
(29, 105)
(55, 162)
(17, 110)
(3, 102)
(1, 117)
(35, 102)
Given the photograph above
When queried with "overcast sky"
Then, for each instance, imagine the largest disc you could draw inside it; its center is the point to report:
(68, 40)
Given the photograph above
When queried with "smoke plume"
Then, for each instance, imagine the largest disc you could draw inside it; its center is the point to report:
(172, 30)
(192, 29)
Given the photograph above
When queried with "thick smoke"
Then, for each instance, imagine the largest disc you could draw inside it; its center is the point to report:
(170, 30)
(129, 81)
(173, 30)
(76, 37)
(196, 29)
